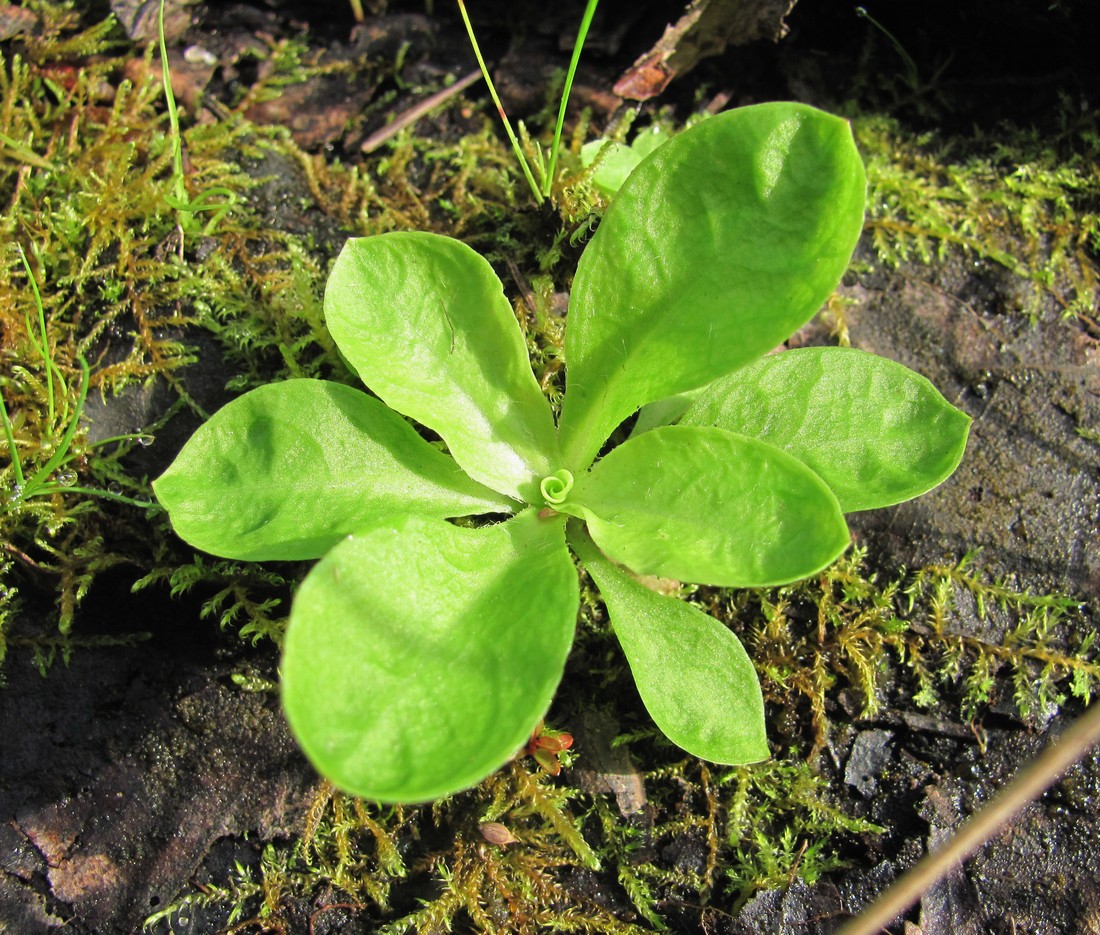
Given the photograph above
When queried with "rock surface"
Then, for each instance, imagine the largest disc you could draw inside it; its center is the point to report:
(122, 770)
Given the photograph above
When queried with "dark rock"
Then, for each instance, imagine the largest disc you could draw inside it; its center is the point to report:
(1041, 873)
(870, 754)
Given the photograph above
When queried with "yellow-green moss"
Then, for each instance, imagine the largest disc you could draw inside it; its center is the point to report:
(1024, 201)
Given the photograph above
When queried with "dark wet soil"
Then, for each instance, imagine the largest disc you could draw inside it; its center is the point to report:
(134, 771)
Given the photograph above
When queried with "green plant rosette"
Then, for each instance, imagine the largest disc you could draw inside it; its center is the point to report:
(421, 654)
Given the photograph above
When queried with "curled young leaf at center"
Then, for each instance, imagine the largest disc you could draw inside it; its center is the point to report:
(420, 655)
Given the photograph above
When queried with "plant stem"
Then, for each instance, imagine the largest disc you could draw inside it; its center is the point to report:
(41, 476)
(582, 34)
(912, 75)
(500, 107)
(29, 156)
(414, 113)
(179, 186)
(9, 436)
(44, 347)
(173, 112)
(1029, 784)
(102, 494)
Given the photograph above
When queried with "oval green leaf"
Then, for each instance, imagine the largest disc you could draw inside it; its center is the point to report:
(876, 432)
(615, 160)
(287, 470)
(420, 655)
(708, 506)
(720, 244)
(424, 321)
(695, 678)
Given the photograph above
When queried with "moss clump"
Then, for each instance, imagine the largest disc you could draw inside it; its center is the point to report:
(84, 154)
(1028, 202)
(522, 853)
(847, 630)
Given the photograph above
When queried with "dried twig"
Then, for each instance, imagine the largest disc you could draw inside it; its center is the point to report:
(414, 113)
(1031, 782)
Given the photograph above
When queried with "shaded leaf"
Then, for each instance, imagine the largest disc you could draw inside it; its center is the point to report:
(617, 160)
(663, 412)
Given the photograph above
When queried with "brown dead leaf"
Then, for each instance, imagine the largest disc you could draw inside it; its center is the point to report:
(15, 20)
(85, 876)
(706, 28)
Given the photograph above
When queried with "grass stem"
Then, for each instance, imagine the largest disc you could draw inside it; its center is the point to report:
(516, 148)
(44, 347)
(1029, 784)
(178, 184)
(582, 34)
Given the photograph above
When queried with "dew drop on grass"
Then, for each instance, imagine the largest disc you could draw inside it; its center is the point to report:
(65, 478)
(145, 440)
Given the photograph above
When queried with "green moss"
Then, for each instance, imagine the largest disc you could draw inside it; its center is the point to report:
(1027, 202)
(847, 630)
(248, 596)
(79, 178)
